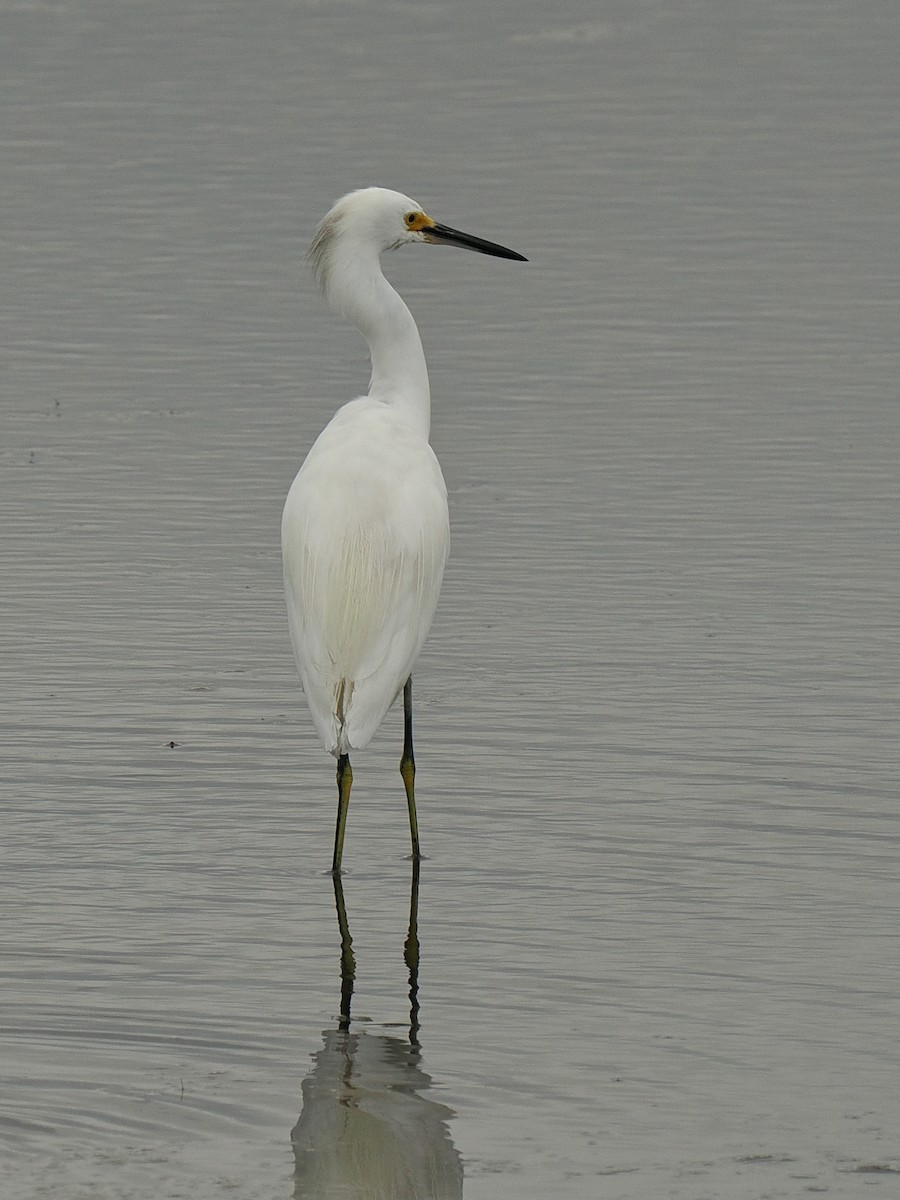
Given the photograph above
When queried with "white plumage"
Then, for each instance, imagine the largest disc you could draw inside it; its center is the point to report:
(363, 564)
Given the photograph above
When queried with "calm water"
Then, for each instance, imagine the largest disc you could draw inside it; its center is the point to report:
(658, 711)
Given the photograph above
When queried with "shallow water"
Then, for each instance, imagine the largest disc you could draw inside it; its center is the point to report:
(657, 714)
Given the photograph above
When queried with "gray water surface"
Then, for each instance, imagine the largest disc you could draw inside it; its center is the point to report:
(658, 710)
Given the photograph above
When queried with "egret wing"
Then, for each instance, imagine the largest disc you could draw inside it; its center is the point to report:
(363, 572)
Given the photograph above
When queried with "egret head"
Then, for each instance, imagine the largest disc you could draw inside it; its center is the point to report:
(369, 221)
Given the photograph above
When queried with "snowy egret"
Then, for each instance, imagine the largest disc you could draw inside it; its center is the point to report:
(365, 531)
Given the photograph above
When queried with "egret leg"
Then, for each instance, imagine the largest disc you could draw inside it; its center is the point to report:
(344, 783)
(408, 768)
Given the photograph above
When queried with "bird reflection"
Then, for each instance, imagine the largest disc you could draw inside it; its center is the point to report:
(365, 1132)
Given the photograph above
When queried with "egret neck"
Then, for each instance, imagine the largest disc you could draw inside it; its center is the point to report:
(399, 374)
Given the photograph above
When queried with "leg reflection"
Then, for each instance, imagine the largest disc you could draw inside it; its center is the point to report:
(348, 962)
(411, 955)
(365, 1129)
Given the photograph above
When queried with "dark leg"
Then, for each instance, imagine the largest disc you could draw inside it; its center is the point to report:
(408, 768)
(344, 783)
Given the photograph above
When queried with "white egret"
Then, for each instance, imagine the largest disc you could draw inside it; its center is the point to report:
(365, 531)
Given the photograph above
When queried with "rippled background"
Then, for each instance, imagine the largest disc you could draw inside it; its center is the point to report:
(658, 710)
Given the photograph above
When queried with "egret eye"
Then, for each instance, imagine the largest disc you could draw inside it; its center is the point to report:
(410, 219)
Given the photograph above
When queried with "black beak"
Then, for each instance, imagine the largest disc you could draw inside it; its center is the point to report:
(443, 235)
